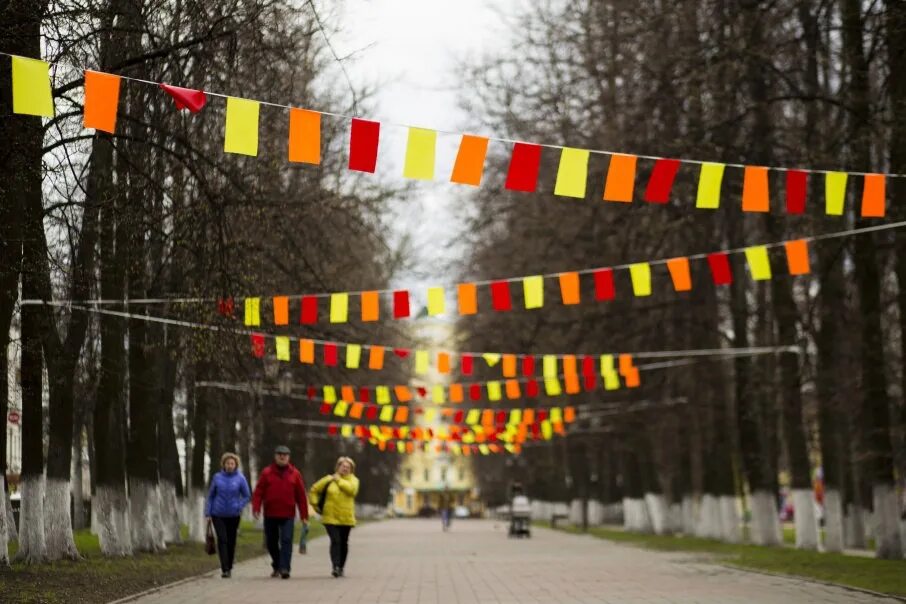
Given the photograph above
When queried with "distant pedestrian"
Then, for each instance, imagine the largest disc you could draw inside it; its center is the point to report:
(280, 490)
(446, 509)
(335, 495)
(228, 495)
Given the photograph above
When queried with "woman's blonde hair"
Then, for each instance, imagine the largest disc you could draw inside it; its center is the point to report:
(347, 460)
(227, 456)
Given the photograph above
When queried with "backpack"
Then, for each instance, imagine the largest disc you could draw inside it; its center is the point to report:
(318, 504)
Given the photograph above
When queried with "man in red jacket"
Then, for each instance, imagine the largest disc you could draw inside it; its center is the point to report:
(280, 490)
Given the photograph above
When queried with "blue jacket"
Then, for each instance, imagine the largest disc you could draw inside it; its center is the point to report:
(228, 495)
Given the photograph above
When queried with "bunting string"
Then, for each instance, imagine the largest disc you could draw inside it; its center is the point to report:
(32, 95)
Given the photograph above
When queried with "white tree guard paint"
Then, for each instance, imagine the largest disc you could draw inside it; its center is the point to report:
(595, 513)
(656, 505)
(707, 525)
(688, 515)
(144, 511)
(112, 521)
(765, 528)
(32, 547)
(58, 538)
(636, 516)
(195, 517)
(730, 525)
(805, 520)
(4, 535)
(575, 511)
(12, 532)
(833, 521)
(854, 527)
(887, 522)
(169, 509)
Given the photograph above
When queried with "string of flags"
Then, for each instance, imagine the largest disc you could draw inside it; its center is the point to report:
(533, 288)
(479, 433)
(491, 419)
(32, 95)
(611, 367)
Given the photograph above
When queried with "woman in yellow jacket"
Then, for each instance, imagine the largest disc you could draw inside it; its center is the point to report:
(335, 497)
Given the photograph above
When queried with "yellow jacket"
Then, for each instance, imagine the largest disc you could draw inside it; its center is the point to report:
(340, 505)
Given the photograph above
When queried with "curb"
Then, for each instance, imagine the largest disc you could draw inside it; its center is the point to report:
(153, 590)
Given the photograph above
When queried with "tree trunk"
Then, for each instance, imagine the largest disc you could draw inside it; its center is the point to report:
(198, 489)
(876, 402)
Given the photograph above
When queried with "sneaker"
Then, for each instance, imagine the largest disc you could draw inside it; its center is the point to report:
(225, 574)
(341, 571)
(284, 574)
(335, 572)
(275, 574)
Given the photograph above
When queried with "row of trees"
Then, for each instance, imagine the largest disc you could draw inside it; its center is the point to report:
(789, 83)
(158, 210)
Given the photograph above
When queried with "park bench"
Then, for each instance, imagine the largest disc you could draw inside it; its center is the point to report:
(555, 517)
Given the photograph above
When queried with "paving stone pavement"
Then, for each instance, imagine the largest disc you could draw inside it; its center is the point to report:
(414, 561)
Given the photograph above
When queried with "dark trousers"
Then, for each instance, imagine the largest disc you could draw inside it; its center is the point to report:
(339, 543)
(278, 533)
(226, 527)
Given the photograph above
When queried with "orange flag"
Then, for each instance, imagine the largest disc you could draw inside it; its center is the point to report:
(304, 136)
(620, 178)
(371, 306)
(281, 310)
(755, 190)
(509, 365)
(403, 394)
(569, 288)
(679, 273)
(455, 393)
(102, 94)
(468, 299)
(376, 358)
(470, 160)
(797, 257)
(306, 351)
(873, 196)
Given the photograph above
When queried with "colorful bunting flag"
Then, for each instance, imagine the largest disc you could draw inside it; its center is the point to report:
(873, 196)
(253, 312)
(466, 363)
(436, 301)
(796, 189)
(443, 362)
(371, 306)
(306, 352)
(309, 313)
(420, 154)
(759, 263)
(281, 310)
(533, 291)
(401, 304)
(525, 164)
(304, 136)
(620, 183)
(241, 130)
(660, 183)
(604, 288)
(679, 274)
(640, 273)
(421, 362)
(755, 196)
(494, 392)
(572, 173)
(376, 358)
(282, 348)
(330, 355)
(257, 345)
(569, 288)
(31, 87)
(509, 365)
(353, 356)
(467, 296)
(469, 163)
(339, 307)
(186, 98)
(363, 145)
(834, 193)
(491, 358)
(797, 257)
(719, 263)
(102, 93)
(709, 180)
(501, 300)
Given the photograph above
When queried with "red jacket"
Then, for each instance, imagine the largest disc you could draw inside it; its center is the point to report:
(281, 490)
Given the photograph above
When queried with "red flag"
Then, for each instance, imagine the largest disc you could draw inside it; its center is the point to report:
(475, 392)
(325, 408)
(466, 362)
(311, 392)
(661, 181)
(500, 296)
(524, 166)
(542, 415)
(590, 382)
(363, 145)
(796, 187)
(258, 345)
(401, 352)
(604, 289)
(531, 388)
(332, 429)
(365, 394)
(371, 413)
(309, 314)
(225, 306)
(528, 365)
(186, 98)
(588, 365)
(720, 268)
(400, 304)
(458, 416)
(330, 355)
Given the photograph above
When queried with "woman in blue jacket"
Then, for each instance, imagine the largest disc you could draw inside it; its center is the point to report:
(228, 495)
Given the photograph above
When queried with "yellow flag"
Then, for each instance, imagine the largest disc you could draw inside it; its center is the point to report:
(641, 278)
(282, 348)
(340, 408)
(31, 87)
(346, 430)
(572, 173)
(547, 431)
(422, 361)
(420, 154)
(609, 372)
(438, 394)
(430, 414)
(241, 131)
(253, 311)
(834, 193)
(473, 416)
(491, 358)
(484, 449)
(533, 291)
(709, 180)
(552, 386)
(339, 308)
(387, 413)
(382, 395)
(556, 415)
(353, 355)
(330, 394)
(436, 301)
(515, 416)
(549, 365)
(494, 391)
(759, 264)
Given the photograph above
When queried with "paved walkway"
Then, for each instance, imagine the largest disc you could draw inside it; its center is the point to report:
(414, 561)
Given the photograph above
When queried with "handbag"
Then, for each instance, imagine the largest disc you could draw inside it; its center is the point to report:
(322, 499)
(303, 540)
(210, 546)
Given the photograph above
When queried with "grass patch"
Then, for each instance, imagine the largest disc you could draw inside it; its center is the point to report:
(884, 576)
(97, 579)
